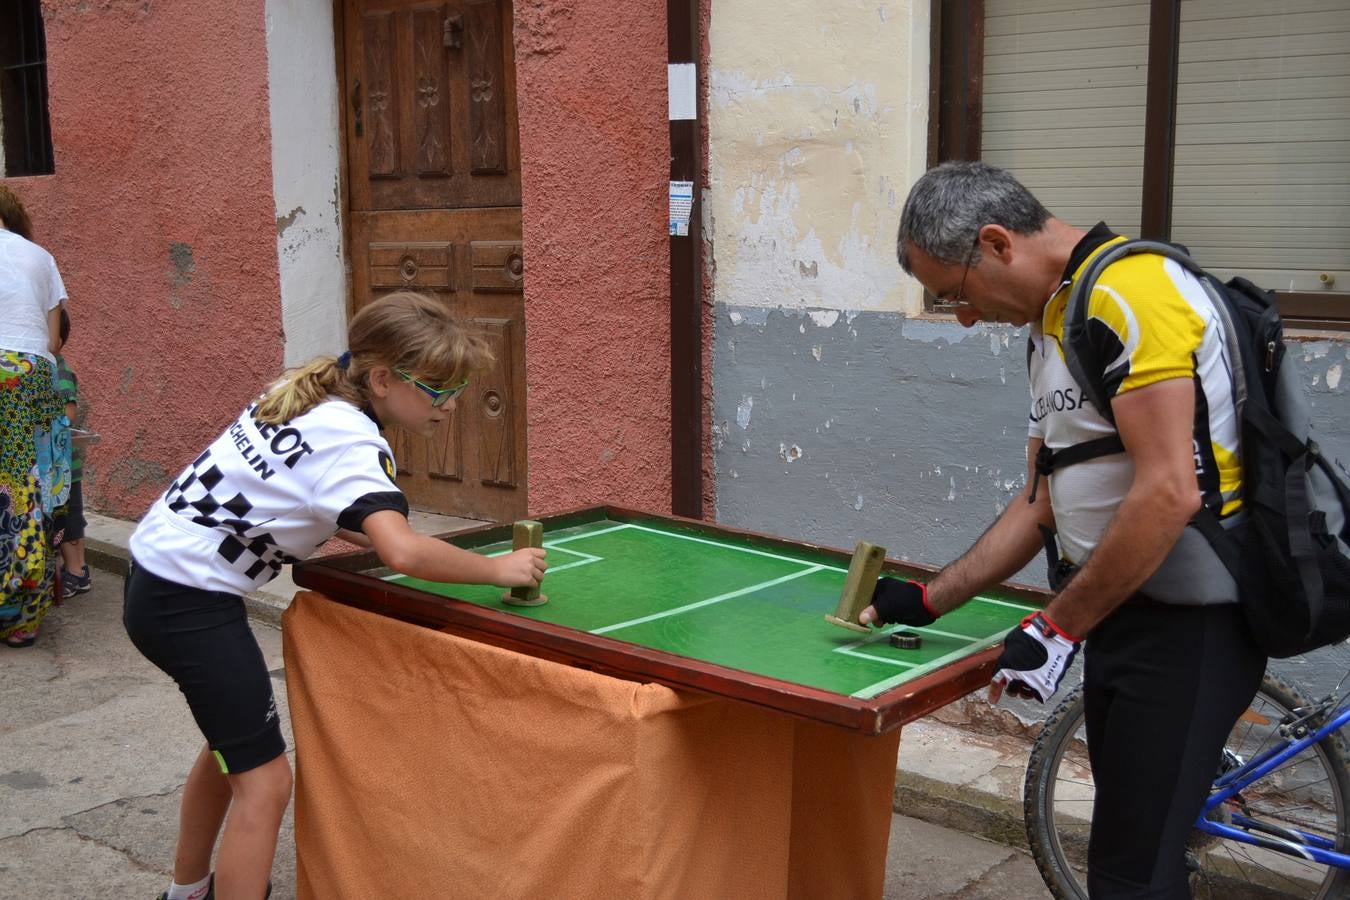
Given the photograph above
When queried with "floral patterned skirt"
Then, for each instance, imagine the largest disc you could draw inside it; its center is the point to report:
(34, 483)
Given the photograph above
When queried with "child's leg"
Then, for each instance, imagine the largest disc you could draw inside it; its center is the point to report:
(72, 556)
(72, 545)
(244, 863)
(202, 639)
(206, 796)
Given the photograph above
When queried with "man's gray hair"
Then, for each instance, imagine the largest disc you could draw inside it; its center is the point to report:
(950, 203)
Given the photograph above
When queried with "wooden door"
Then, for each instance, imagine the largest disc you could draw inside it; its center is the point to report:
(433, 168)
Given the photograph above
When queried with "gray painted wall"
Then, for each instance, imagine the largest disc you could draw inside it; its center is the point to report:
(910, 433)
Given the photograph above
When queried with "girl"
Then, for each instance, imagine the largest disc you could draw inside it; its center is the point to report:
(303, 463)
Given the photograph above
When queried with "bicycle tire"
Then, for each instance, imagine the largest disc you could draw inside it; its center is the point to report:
(1313, 788)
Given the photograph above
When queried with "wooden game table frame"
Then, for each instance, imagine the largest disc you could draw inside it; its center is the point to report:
(346, 579)
(444, 748)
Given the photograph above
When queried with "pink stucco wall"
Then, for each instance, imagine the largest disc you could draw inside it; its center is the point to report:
(594, 169)
(160, 216)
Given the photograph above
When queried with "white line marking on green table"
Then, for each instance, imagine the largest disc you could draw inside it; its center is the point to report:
(1024, 607)
(850, 651)
(959, 653)
(585, 534)
(816, 567)
(711, 600)
(801, 562)
(724, 546)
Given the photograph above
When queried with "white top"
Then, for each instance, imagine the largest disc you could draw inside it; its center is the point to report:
(30, 288)
(265, 495)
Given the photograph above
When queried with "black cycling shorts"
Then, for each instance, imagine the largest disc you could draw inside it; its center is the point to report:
(201, 640)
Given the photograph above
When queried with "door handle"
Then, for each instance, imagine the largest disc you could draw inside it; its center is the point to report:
(454, 32)
(357, 109)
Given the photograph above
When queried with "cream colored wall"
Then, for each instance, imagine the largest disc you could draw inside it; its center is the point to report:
(818, 117)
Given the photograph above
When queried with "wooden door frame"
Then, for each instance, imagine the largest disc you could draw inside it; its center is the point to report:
(344, 112)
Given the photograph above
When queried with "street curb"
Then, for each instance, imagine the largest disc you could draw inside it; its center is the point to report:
(959, 808)
(106, 556)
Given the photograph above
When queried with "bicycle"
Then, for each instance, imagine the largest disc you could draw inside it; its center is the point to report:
(1277, 821)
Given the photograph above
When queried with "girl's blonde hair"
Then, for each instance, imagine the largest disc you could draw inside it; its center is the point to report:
(405, 330)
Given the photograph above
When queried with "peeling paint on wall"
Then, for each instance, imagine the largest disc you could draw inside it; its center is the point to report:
(286, 221)
(303, 96)
(817, 119)
(917, 434)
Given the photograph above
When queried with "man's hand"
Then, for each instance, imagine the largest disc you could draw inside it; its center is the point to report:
(1035, 657)
(898, 601)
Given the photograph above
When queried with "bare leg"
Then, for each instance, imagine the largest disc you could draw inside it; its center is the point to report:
(72, 556)
(250, 841)
(205, 799)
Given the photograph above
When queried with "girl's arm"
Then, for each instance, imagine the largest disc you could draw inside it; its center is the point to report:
(404, 550)
(353, 537)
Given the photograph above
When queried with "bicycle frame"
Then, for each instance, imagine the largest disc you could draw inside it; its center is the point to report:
(1289, 841)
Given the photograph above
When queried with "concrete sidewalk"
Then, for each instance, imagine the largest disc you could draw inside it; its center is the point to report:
(96, 744)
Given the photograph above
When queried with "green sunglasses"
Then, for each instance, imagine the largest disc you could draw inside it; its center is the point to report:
(439, 396)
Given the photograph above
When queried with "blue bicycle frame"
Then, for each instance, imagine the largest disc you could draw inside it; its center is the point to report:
(1290, 841)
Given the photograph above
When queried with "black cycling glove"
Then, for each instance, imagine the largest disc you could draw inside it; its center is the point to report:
(902, 602)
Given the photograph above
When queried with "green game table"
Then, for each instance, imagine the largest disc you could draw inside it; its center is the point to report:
(789, 725)
(703, 607)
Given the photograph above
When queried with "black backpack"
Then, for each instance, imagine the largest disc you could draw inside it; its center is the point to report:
(1289, 547)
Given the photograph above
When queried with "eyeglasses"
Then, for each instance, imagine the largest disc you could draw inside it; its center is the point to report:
(960, 296)
(439, 396)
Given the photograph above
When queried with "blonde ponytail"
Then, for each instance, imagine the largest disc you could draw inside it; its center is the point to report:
(404, 330)
(301, 389)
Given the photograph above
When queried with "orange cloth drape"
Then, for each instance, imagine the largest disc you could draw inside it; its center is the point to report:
(430, 765)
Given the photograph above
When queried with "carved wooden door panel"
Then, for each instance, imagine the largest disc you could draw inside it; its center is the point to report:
(433, 167)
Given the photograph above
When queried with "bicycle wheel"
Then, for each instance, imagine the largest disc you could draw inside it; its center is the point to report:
(1310, 792)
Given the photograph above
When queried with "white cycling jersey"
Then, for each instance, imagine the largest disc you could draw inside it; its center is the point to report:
(264, 495)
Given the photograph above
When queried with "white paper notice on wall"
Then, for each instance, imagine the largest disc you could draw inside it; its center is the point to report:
(682, 87)
(681, 205)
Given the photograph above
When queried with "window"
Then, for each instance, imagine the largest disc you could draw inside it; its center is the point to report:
(1221, 124)
(25, 132)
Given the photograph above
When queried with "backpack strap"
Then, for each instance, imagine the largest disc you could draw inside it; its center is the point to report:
(1225, 548)
(1079, 355)
(1047, 460)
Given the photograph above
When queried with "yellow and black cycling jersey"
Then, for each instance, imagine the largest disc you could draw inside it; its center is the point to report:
(1149, 320)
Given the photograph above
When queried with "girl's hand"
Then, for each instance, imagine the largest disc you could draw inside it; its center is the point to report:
(520, 568)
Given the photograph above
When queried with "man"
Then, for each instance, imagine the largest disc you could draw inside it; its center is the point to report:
(1169, 663)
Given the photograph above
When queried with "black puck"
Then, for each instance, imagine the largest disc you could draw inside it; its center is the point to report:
(906, 641)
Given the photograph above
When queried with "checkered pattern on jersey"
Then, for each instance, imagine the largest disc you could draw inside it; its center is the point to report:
(193, 496)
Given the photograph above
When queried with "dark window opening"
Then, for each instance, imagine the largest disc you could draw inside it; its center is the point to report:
(26, 128)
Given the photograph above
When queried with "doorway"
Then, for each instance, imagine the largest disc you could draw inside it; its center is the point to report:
(433, 189)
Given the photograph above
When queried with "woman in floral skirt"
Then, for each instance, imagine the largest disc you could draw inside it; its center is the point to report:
(34, 433)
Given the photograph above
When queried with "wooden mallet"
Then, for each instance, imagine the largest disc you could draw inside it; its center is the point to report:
(526, 533)
(863, 570)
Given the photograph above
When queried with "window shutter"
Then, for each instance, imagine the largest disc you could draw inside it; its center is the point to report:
(1064, 89)
(1262, 173)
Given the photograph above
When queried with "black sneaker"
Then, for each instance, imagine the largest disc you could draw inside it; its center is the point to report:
(72, 584)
